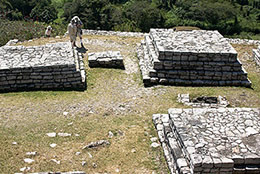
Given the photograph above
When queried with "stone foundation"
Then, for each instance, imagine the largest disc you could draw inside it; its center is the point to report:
(194, 58)
(110, 59)
(52, 66)
(185, 99)
(256, 55)
(207, 140)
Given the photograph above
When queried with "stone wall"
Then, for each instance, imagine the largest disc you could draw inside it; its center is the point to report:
(52, 66)
(256, 55)
(202, 58)
(112, 33)
(109, 59)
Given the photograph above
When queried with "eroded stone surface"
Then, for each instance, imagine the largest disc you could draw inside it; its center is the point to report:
(211, 140)
(51, 66)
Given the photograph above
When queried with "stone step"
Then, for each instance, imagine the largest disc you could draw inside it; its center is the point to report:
(180, 82)
(199, 75)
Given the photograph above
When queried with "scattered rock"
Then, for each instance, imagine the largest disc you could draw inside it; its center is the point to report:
(55, 161)
(65, 113)
(69, 124)
(77, 153)
(90, 156)
(94, 165)
(110, 134)
(64, 134)
(120, 133)
(96, 144)
(83, 163)
(77, 135)
(14, 143)
(57, 37)
(25, 169)
(155, 145)
(153, 139)
(133, 150)
(31, 153)
(117, 170)
(53, 145)
(28, 160)
(52, 134)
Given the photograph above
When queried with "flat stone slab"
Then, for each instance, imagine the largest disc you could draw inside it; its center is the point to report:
(109, 59)
(207, 140)
(197, 41)
(51, 66)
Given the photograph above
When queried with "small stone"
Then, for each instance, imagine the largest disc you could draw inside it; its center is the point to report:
(53, 145)
(94, 165)
(83, 163)
(133, 150)
(52, 134)
(110, 134)
(28, 160)
(14, 143)
(117, 170)
(69, 124)
(153, 139)
(96, 144)
(77, 135)
(55, 161)
(90, 156)
(25, 169)
(31, 153)
(64, 134)
(155, 145)
(65, 113)
(77, 153)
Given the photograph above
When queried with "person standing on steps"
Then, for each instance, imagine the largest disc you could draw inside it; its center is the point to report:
(74, 29)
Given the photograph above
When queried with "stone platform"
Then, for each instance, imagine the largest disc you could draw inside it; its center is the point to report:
(256, 55)
(194, 58)
(51, 66)
(109, 59)
(207, 140)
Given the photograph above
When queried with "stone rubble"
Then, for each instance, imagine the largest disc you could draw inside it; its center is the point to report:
(50, 66)
(185, 99)
(109, 59)
(195, 58)
(256, 55)
(210, 140)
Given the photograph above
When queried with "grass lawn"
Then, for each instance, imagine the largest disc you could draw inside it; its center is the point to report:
(115, 101)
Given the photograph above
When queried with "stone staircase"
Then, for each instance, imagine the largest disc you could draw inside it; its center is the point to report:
(196, 58)
(192, 144)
